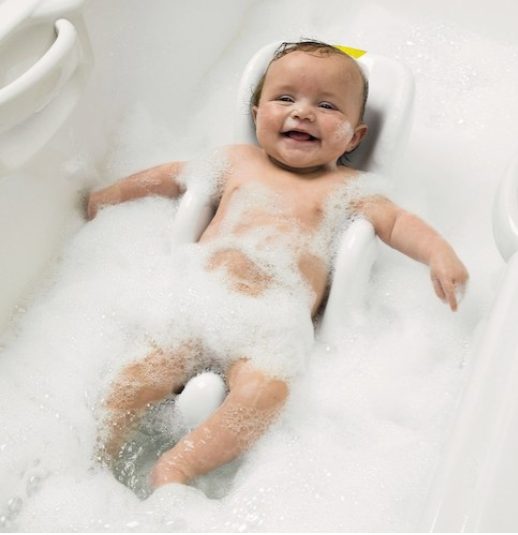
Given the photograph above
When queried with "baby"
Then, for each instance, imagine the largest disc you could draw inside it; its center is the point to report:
(277, 210)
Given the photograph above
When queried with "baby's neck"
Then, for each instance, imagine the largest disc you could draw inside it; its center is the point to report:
(307, 172)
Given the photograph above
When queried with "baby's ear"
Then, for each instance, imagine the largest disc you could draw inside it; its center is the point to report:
(254, 113)
(359, 133)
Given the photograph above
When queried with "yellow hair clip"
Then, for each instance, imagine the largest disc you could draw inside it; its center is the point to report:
(354, 52)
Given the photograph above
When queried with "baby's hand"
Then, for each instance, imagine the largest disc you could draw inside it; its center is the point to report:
(449, 276)
(91, 207)
(104, 197)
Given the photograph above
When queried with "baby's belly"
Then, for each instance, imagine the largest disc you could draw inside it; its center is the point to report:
(244, 275)
(253, 277)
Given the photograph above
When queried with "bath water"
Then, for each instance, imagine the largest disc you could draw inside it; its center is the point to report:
(356, 447)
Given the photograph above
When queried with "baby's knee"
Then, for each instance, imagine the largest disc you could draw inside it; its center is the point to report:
(254, 388)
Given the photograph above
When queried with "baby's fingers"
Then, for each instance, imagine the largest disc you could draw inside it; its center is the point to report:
(437, 286)
(445, 290)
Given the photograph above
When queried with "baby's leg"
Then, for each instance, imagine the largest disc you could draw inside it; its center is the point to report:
(253, 402)
(138, 386)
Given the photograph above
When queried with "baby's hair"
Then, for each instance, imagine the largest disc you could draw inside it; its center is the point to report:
(311, 47)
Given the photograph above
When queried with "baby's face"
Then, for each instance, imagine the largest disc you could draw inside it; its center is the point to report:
(309, 111)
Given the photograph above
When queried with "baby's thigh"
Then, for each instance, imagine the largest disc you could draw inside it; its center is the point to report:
(244, 375)
(160, 373)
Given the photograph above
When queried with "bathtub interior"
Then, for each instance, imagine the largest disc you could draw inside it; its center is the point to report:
(360, 439)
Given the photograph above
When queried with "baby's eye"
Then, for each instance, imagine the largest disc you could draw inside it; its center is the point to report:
(285, 98)
(327, 106)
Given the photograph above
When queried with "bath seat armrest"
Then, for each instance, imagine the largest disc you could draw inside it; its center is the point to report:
(351, 273)
(192, 218)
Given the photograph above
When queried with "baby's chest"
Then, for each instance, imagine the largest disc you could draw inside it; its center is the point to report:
(305, 203)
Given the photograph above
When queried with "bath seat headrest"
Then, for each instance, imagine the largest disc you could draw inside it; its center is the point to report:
(388, 112)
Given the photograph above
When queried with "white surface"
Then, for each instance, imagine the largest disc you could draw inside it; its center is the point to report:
(477, 481)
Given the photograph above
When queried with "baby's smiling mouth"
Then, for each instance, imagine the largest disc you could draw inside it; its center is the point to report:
(298, 135)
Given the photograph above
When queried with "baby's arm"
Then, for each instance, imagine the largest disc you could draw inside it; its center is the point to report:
(410, 235)
(159, 180)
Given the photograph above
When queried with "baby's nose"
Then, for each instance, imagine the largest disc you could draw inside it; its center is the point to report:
(303, 111)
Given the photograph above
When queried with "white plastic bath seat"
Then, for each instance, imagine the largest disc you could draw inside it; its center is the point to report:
(45, 60)
(476, 484)
(388, 114)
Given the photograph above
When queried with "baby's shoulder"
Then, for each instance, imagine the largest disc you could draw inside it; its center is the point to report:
(365, 184)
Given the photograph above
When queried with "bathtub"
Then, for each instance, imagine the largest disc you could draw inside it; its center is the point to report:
(408, 423)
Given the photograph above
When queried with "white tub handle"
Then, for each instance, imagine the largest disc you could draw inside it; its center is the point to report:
(505, 213)
(35, 88)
